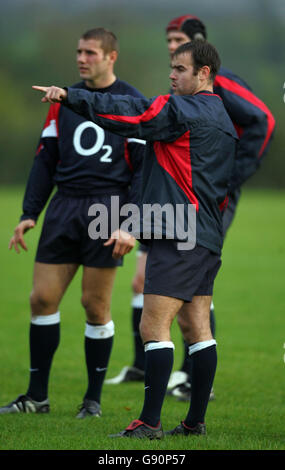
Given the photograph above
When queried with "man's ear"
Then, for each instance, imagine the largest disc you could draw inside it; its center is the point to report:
(113, 56)
(204, 73)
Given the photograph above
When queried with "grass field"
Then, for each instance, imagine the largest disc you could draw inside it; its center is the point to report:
(249, 410)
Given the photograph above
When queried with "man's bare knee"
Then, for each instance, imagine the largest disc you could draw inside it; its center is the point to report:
(184, 326)
(42, 303)
(97, 309)
(158, 315)
(97, 286)
(194, 319)
(145, 332)
(49, 285)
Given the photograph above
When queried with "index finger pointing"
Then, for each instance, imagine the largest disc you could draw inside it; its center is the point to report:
(40, 88)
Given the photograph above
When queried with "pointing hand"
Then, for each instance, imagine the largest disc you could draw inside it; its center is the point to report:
(53, 94)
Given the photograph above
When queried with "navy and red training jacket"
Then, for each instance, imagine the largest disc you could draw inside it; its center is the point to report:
(253, 121)
(191, 145)
(81, 158)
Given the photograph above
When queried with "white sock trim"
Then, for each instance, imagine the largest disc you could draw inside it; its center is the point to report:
(137, 301)
(100, 331)
(201, 345)
(46, 319)
(212, 306)
(159, 345)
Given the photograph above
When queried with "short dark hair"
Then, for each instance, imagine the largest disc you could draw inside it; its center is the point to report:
(203, 53)
(108, 39)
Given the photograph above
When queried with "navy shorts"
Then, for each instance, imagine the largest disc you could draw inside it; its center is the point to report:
(65, 239)
(180, 273)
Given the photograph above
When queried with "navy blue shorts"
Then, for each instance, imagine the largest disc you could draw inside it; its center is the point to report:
(65, 239)
(180, 273)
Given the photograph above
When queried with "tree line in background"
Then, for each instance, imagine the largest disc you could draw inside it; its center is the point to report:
(42, 50)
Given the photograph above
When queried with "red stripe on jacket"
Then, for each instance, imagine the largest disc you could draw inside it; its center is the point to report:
(127, 155)
(149, 114)
(175, 158)
(224, 204)
(53, 115)
(247, 95)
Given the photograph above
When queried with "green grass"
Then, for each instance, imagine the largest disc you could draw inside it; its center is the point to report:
(249, 410)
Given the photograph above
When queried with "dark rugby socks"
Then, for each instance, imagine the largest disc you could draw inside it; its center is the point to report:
(44, 340)
(187, 361)
(98, 346)
(204, 363)
(137, 307)
(158, 365)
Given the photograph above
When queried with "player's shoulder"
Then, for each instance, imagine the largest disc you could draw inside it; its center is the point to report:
(199, 107)
(121, 87)
(227, 74)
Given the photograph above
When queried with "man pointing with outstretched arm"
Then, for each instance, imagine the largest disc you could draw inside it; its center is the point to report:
(191, 144)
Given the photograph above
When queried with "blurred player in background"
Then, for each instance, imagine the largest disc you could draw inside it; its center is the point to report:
(255, 125)
(88, 165)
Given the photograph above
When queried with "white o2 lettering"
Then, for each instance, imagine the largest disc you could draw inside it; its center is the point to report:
(98, 145)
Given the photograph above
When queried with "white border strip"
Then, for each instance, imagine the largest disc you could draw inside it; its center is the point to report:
(201, 345)
(137, 141)
(159, 345)
(100, 331)
(46, 319)
(137, 301)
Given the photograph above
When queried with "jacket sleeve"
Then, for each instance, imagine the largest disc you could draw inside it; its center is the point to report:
(141, 118)
(135, 151)
(40, 182)
(254, 124)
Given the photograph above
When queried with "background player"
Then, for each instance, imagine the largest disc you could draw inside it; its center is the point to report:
(88, 165)
(255, 125)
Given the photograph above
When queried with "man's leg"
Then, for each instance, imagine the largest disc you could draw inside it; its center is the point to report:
(136, 371)
(180, 381)
(137, 308)
(157, 317)
(97, 285)
(49, 285)
(183, 390)
(197, 333)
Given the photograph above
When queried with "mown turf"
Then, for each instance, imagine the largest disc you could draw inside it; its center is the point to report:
(248, 413)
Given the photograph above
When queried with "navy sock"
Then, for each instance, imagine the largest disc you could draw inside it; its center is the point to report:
(44, 340)
(158, 365)
(186, 364)
(204, 363)
(187, 360)
(138, 344)
(98, 346)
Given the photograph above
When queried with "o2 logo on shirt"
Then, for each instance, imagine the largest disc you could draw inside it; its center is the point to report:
(98, 144)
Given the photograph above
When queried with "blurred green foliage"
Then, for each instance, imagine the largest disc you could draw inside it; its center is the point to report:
(38, 44)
